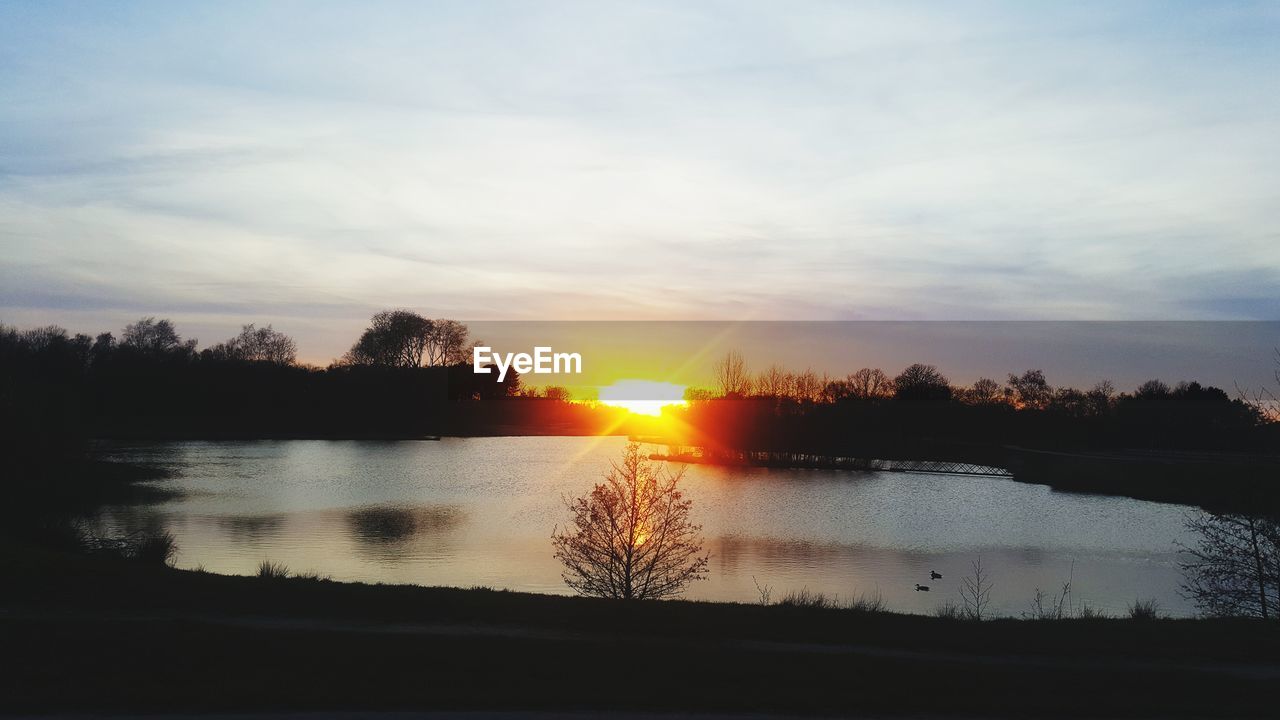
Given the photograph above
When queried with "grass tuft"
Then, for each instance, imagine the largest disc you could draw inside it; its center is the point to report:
(1147, 609)
(1088, 612)
(272, 570)
(867, 602)
(153, 549)
(806, 598)
(949, 611)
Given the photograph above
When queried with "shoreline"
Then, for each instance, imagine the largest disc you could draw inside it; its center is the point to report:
(1240, 482)
(302, 644)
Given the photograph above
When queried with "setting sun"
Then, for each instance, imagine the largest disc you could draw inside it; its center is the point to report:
(642, 397)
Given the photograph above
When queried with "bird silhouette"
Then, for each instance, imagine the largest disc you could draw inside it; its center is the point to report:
(922, 588)
(934, 574)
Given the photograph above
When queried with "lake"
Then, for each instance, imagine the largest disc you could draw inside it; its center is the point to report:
(480, 511)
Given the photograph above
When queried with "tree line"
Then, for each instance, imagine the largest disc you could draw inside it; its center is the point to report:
(923, 383)
(402, 377)
(778, 409)
(407, 374)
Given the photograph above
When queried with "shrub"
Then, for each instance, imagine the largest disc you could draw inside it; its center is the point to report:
(153, 549)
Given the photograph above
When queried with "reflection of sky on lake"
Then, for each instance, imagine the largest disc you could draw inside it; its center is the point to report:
(480, 511)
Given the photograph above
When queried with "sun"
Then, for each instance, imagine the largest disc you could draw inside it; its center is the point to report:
(643, 397)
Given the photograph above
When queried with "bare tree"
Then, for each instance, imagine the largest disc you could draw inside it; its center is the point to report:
(1264, 401)
(256, 344)
(631, 537)
(1234, 568)
(151, 336)
(1030, 390)
(447, 343)
(870, 383)
(975, 591)
(557, 393)
(1152, 389)
(269, 345)
(808, 386)
(103, 346)
(394, 338)
(921, 383)
(1101, 398)
(984, 391)
(773, 382)
(405, 339)
(731, 375)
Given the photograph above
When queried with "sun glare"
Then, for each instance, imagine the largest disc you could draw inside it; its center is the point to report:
(642, 397)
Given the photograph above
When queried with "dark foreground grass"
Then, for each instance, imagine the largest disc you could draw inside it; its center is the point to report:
(99, 634)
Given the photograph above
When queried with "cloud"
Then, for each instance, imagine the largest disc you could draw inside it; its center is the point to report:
(664, 160)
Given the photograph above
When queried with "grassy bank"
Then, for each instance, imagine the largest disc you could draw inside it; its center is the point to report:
(95, 633)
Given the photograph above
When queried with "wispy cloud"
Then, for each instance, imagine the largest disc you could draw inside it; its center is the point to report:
(251, 162)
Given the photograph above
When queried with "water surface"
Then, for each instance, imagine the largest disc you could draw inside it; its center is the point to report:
(480, 511)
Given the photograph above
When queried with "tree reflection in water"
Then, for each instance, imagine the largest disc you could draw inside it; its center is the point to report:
(388, 525)
(252, 529)
(1233, 569)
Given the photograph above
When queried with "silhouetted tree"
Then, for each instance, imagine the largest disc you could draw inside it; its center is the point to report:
(1070, 402)
(405, 339)
(631, 537)
(1030, 390)
(557, 393)
(81, 347)
(151, 337)
(808, 386)
(698, 395)
(837, 390)
(975, 591)
(394, 338)
(869, 384)
(732, 377)
(255, 344)
(44, 339)
(1234, 568)
(773, 382)
(1265, 401)
(103, 346)
(984, 391)
(1101, 398)
(447, 343)
(1152, 389)
(921, 383)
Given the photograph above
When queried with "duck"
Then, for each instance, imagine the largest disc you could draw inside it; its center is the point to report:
(922, 588)
(935, 575)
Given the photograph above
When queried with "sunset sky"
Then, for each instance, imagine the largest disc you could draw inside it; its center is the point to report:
(306, 165)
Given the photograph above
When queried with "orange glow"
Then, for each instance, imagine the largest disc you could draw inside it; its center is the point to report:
(643, 397)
